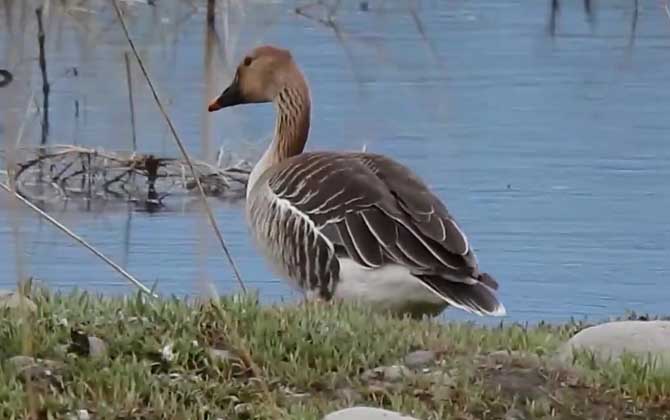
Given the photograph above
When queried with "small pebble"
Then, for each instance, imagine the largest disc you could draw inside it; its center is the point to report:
(515, 358)
(219, 355)
(366, 413)
(393, 373)
(166, 353)
(80, 415)
(420, 359)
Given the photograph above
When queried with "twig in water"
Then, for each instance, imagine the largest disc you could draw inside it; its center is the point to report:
(182, 149)
(633, 26)
(590, 15)
(5, 77)
(45, 81)
(553, 17)
(22, 127)
(211, 12)
(77, 238)
(422, 31)
(130, 99)
(329, 21)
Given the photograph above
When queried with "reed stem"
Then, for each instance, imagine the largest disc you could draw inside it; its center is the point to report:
(79, 239)
(45, 80)
(131, 102)
(180, 144)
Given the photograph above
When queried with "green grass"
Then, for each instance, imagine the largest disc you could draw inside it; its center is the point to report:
(300, 362)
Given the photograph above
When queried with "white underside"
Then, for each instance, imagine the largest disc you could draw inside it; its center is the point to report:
(391, 287)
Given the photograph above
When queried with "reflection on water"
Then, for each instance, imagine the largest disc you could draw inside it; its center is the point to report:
(550, 151)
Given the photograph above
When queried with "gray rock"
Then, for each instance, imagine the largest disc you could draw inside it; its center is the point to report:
(420, 359)
(82, 344)
(609, 341)
(12, 300)
(79, 415)
(366, 413)
(393, 373)
(96, 347)
(37, 370)
(19, 363)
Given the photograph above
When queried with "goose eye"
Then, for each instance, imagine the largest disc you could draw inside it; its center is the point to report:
(247, 61)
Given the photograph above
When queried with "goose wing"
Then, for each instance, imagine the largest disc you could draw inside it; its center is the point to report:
(376, 211)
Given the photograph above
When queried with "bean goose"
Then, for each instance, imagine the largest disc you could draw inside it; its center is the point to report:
(349, 226)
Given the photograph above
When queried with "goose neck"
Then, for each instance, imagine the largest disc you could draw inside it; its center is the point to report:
(292, 105)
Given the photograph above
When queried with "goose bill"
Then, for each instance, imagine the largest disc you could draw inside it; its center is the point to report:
(230, 97)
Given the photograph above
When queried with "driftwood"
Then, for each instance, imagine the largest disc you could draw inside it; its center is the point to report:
(67, 172)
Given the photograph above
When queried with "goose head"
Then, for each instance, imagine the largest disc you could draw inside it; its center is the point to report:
(259, 78)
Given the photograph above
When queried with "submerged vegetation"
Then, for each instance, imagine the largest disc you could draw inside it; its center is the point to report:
(233, 358)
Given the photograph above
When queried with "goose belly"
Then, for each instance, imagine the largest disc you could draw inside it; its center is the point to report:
(389, 288)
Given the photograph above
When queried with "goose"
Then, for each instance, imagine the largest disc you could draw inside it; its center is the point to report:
(349, 226)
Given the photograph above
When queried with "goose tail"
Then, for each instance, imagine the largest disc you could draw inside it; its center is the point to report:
(478, 298)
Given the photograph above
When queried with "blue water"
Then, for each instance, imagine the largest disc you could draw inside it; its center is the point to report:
(552, 153)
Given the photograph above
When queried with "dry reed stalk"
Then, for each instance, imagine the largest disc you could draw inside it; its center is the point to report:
(633, 25)
(424, 34)
(211, 12)
(131, 102)
(206, 286)
(22, 127)
(182, 149)
(329, 22)
(77, 238)
(45, 80)
(21, 286)
(553, 17)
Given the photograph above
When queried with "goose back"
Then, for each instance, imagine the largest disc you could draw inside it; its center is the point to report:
(314, 208)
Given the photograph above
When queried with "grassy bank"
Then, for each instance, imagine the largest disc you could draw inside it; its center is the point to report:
(158, 361)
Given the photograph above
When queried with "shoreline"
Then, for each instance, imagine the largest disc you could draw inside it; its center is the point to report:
(136, 357)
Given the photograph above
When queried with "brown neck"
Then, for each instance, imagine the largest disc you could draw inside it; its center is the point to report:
(292, 126)
(291, 129)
